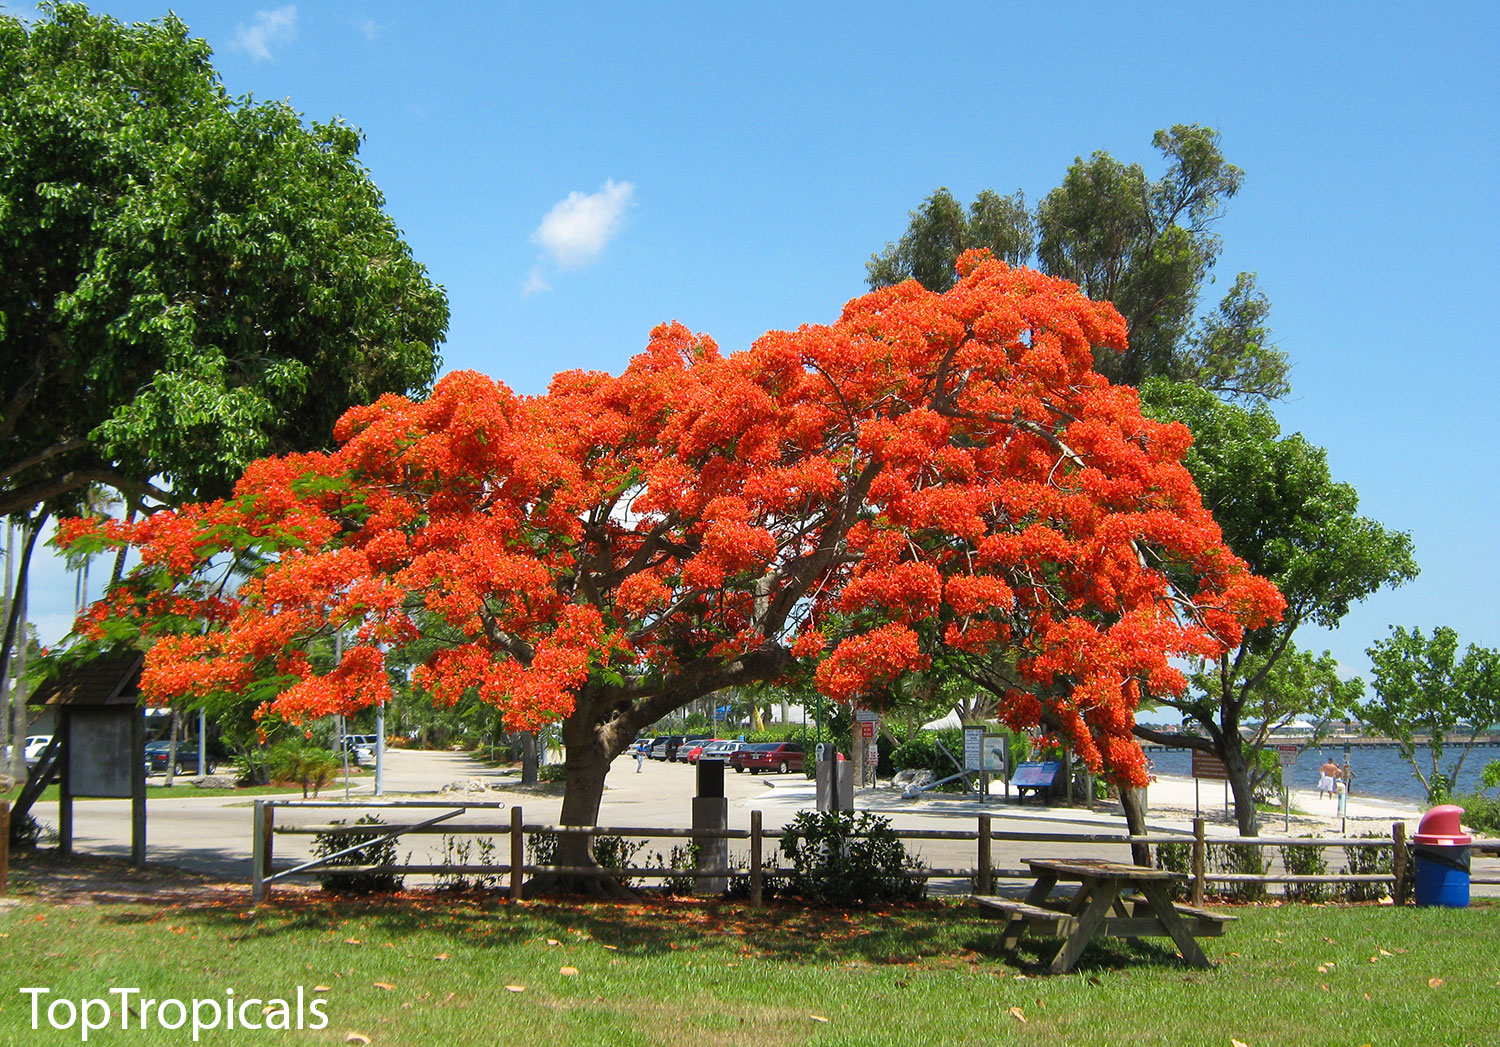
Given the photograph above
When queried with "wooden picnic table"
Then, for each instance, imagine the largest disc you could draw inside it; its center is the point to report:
(1113, 898)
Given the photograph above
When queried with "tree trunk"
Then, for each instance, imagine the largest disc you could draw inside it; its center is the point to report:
(15, 641)
(1133, 800)
(1245, 814)
(5, 597)
(527, 741)
(590, 748)
(172, 754)
(20, 715)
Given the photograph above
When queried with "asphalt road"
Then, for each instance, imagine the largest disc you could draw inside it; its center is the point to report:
(212, 834)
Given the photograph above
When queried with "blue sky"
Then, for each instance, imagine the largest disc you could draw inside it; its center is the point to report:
(734, 166)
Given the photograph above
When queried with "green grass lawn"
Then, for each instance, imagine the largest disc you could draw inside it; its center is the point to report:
(184, 786)
(438, 969)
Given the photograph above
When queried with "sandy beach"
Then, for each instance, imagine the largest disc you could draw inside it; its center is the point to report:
(1172, 799)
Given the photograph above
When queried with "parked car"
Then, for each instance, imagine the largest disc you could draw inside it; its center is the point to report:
(685, 747)
(768, 756)
(35, 745)
(186, 761)
(31, 748)
(361, 747)
(720, 750)
(665, 746)
(691, 751)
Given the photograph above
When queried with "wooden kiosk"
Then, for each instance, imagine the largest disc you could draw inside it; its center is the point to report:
(99, 745)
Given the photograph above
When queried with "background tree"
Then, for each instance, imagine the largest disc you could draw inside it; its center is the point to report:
(187, 281)
(1147, 246)
(1424, 692)
(941, 472)
(1282, 512)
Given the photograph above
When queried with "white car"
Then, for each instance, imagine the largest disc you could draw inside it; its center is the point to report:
(35, 745)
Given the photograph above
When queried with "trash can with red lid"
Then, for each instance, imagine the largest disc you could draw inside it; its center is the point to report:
(1441, 848)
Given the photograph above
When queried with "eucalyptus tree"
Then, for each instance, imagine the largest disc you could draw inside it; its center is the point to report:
(1146, 245)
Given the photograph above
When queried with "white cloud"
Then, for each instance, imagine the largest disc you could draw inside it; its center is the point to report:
(535, 283)
(277, 27)
(576, 231)
(368, 28)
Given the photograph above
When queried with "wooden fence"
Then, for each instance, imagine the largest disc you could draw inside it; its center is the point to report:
(981, 874)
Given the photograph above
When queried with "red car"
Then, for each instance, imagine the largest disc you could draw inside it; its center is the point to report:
(768, 756)
(691, 751)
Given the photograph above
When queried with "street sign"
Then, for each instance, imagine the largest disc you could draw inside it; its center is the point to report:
(1288, 754)
(866, 716)
(867, 729)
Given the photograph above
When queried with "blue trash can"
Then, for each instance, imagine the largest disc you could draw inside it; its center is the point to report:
(1441, 849)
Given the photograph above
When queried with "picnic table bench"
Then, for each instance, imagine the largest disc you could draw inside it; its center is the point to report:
(1113, 899)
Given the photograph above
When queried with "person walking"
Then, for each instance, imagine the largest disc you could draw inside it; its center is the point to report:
(640, 758)
(1328, 776)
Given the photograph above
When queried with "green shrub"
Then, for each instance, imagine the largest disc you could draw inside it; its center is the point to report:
(1368, 860)
(771, 884)
(1269, 788)
(921, 753)
(1305, 861)
(552, 772)
(382, 853)
(840, 859)
(611, 852)
(468, 850)
(27, 832)
(1240, 859)
(294, 760)
(1490, 776)
(1177, 858)
(1481, 813)
(682, 858)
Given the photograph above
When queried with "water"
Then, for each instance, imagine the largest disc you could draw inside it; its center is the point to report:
(1378, 771)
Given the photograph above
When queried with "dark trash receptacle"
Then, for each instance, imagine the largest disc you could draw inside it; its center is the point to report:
(1441, 849)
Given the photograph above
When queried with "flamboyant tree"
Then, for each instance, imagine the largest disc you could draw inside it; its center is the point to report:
(934, 475)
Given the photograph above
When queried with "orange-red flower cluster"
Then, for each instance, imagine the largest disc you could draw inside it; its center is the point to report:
(937, 470)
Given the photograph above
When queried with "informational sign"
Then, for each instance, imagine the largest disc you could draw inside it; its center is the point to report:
(973, 748)
(866, 716)
(1288, 754)
(867, 730)
(1206, 765)
(995, 748)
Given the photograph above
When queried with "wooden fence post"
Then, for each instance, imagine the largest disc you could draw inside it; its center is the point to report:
(517, 853)
(1398, 862)
(982, 881)
(757, 899)
(1200, 855)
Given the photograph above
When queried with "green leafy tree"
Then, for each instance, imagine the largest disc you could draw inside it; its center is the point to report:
(187, 281)
(1425, 693)
(1147, 246)
(1284, 514)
